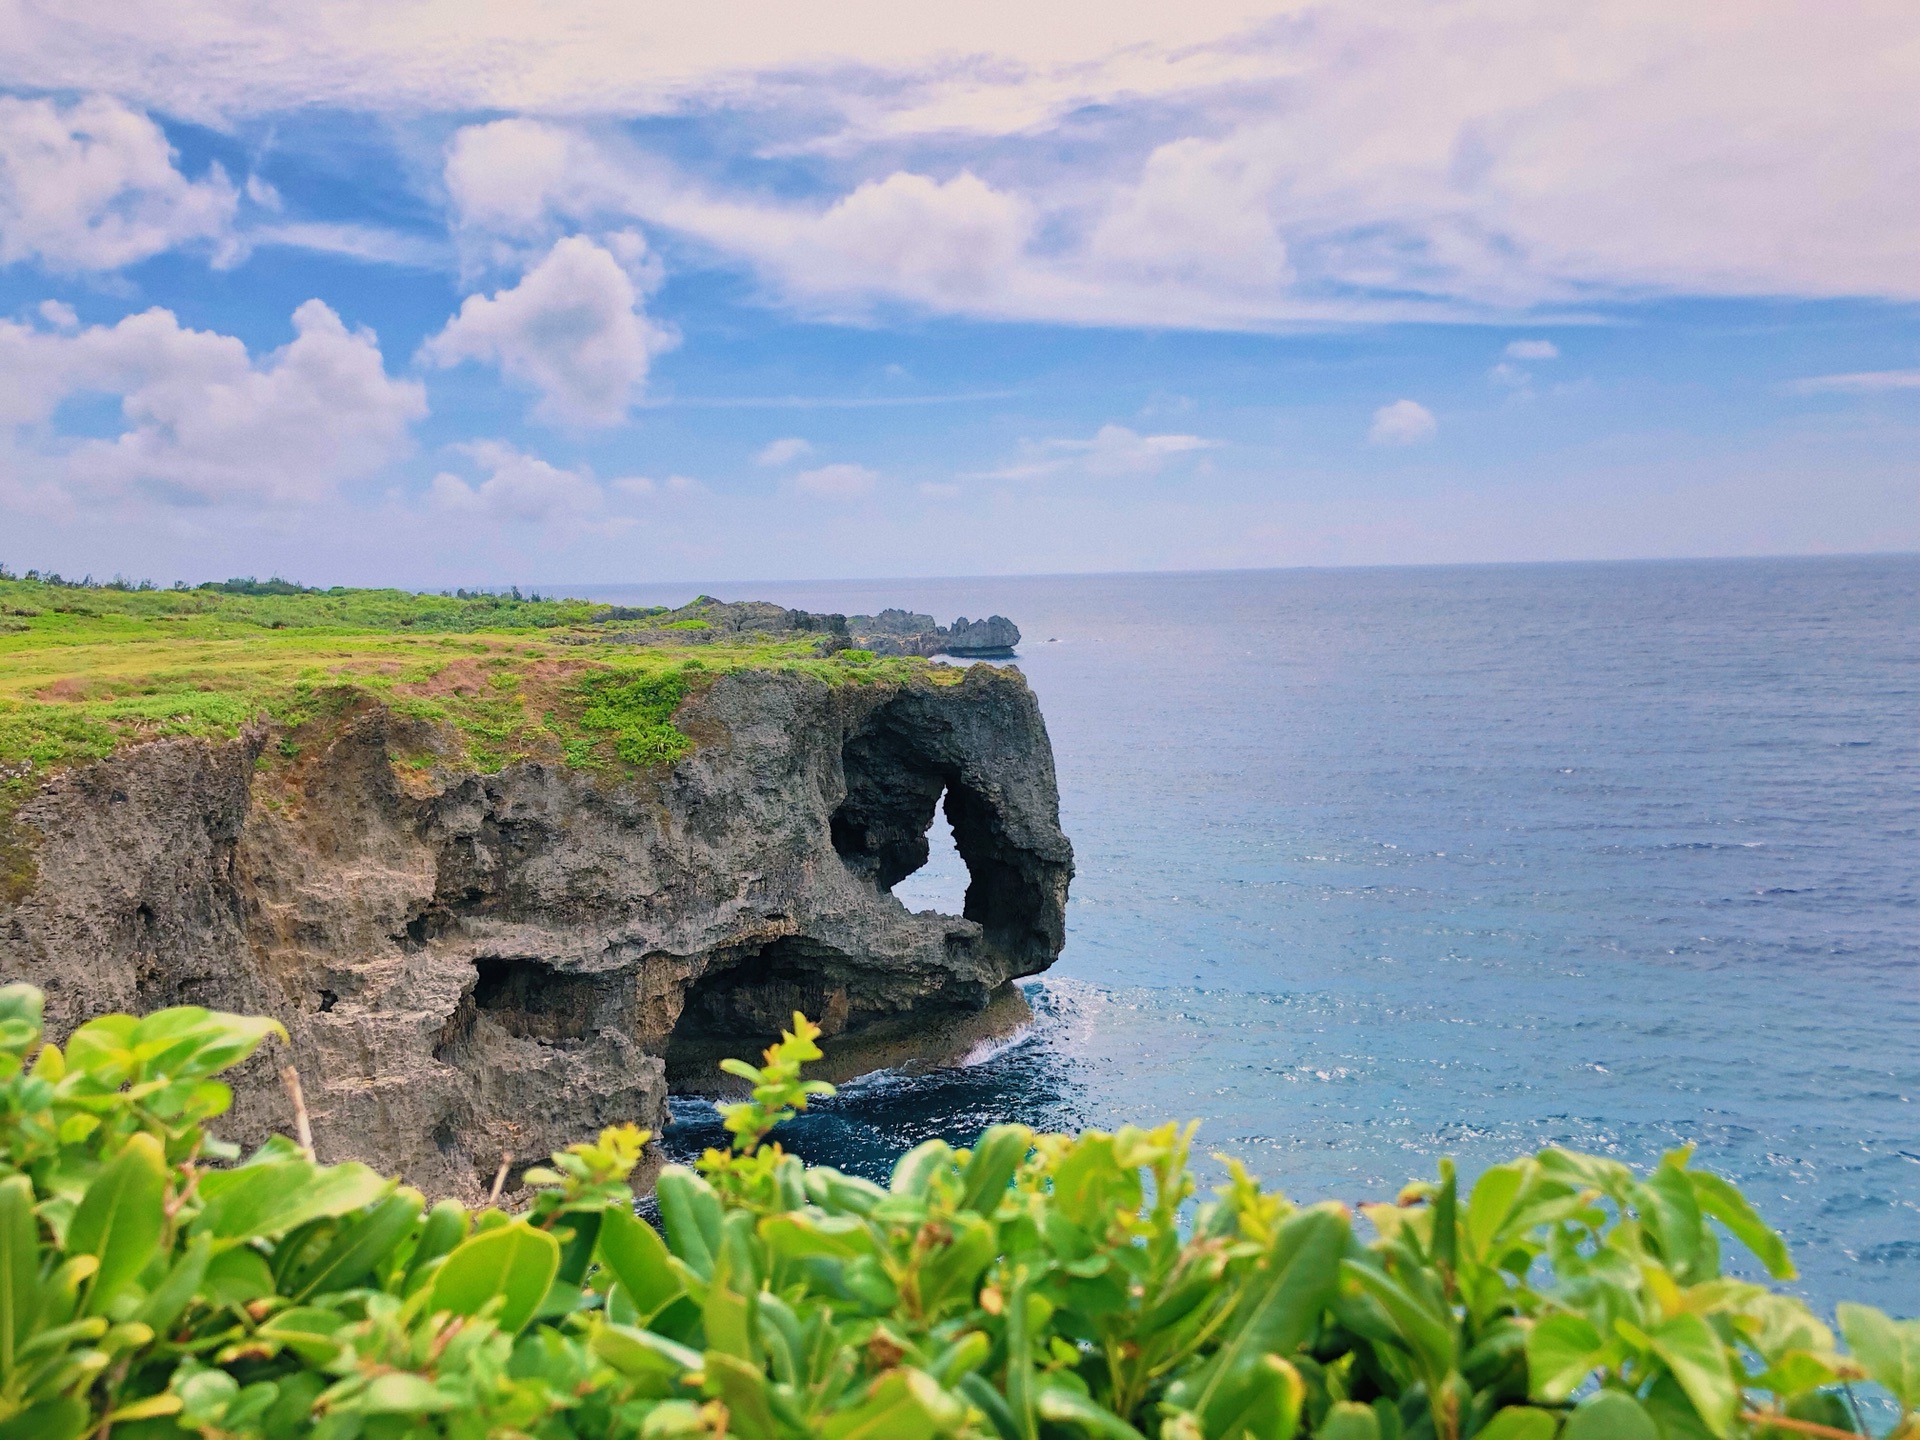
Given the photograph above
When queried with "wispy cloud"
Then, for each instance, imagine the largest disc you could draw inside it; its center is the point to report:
(1112, 450)
(1864, 382)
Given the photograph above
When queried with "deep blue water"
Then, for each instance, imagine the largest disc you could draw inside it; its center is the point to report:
(1379, 865)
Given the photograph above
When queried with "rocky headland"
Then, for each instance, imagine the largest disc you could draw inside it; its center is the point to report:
(475, 962)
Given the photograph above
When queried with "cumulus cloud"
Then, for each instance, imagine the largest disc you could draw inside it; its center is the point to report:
(572, 329)
(1864, 382)
(203, 421)
(783, 452)
(836, 482)
(1404, 422)
(518, 488)
(92, 185)
(1113, 450)
(1484, 159)
(1532, 350)
(1223, 167)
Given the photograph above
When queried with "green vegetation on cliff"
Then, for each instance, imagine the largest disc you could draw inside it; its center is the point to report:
(87, 669)
(1033, 1287)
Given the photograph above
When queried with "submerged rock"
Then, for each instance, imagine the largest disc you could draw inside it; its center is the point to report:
(473, 965)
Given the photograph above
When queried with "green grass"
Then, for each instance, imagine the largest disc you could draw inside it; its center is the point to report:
(86, 671)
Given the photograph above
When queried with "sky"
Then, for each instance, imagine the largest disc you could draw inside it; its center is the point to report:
(435, 294)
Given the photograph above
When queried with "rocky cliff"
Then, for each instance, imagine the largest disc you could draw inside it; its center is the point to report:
(475, 964)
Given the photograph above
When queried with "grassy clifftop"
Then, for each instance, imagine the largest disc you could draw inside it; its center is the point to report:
(85, 670)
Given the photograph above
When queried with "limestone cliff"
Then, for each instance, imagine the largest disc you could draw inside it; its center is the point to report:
(471, 964)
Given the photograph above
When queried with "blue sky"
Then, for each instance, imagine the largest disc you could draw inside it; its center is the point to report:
(399, 294)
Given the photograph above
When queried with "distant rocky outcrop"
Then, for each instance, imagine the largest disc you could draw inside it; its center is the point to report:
(478, 964)
(706, 621)
(902, 632)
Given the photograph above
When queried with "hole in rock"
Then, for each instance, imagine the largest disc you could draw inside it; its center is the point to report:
(535, 1001)
(941, 883)
(902, 765)
(745, 1000)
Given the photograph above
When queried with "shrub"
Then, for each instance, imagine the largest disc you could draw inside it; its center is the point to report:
(1034, 1286)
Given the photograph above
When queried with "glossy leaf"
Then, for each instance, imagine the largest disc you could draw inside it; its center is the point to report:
(1699, 1363)
(514, 1264)
(1888, 1349)
(1609, 1415)
(633, 1250)
(282, 1195)
(121, 1217)
(19, 1266)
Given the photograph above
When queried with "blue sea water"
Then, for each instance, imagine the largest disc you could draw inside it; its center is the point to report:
(1380, 865)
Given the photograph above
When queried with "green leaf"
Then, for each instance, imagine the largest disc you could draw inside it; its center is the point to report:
(1699, 1362)
(359, 1246)
(1671, 1214)
(121, 1218)
(1060, 1406)
(1427, 1334)
(1519, 1422)
(1888, 1349)
(19, 1264)
(514, 1262)
(1296, 1281)
(743, 1386)
(1348, 1421)
(1610, 1415)
(904, 1404)
(692, 1214)
(1721, 1200)
(172, 1295)
(446, 1226)
(642, 1353)
(237, 1276)
(634, 1251)
(403, 1394)
(996, 1158)
(1492, 1201)
(63, 1419)
(1260, 1403)
(276, 1196)
(1562, 1351)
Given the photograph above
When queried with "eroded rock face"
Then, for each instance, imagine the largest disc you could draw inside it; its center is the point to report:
(472, 965)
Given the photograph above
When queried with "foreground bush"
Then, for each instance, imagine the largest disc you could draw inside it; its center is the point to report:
(1035, 1286)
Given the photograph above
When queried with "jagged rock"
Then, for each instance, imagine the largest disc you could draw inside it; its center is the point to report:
(471, 964)
(900, 632)
(996, 635)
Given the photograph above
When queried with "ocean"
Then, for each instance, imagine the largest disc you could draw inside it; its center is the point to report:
(1378, 865)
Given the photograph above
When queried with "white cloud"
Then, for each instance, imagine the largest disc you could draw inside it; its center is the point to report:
(91, 185)
(1404, 422)
(1533, 350)
(1114, 450)
(572, 329)
(836, 482)
(783, 452)
(1226, 164)
(203, 420)
(650, 488)
(1865, 382)
(518, 488)
(1511, 376)
(59, 314)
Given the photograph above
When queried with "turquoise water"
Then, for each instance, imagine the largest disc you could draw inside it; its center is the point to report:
(1379, 865)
